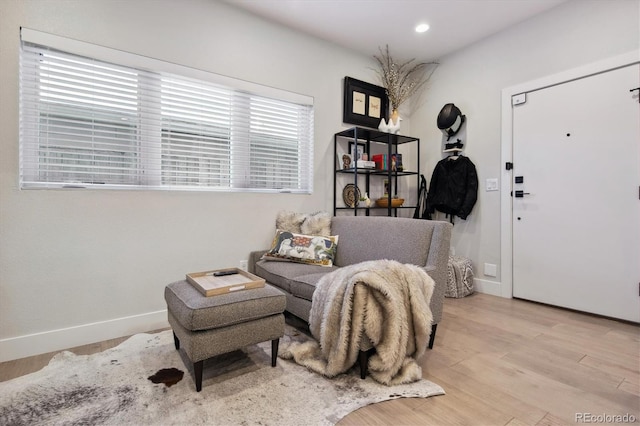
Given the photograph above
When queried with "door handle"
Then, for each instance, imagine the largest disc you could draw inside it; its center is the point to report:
(520, 194)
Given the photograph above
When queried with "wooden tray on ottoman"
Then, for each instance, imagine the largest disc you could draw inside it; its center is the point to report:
(211, 285)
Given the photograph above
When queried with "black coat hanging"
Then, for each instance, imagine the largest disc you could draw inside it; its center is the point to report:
(454, 187)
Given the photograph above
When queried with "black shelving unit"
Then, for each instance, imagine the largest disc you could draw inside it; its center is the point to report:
(370, 138)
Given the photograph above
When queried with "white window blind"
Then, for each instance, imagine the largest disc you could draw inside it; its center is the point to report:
(90, 122)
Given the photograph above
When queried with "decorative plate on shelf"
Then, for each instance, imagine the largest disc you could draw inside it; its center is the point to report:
(351, 195)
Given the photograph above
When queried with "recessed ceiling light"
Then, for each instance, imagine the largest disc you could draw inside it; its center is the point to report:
(422, 28)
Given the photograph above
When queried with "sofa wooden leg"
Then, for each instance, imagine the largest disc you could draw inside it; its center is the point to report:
(433, 335)
(274, 351)
(362, 360)
(197, 372)
(176, 341)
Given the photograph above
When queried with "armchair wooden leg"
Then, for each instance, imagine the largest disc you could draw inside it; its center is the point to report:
(362, 360)
(176, 341)
(433, 335)
(197, 372)
(274, 351)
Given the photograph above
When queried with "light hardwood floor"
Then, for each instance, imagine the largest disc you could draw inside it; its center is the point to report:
(501, 362)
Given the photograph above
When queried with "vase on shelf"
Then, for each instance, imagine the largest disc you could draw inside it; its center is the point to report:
(366, 200)
(394, 118)
(393, 125)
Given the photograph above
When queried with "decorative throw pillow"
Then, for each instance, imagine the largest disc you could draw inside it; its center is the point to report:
(312, 249)
(290, 221)
(318, 223)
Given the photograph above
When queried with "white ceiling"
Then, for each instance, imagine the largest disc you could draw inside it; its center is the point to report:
(366, 25)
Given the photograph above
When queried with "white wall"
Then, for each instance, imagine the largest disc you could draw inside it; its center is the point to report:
(574, 34)
(78, 266)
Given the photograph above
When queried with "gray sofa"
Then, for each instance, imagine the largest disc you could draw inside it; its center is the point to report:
(361, 238)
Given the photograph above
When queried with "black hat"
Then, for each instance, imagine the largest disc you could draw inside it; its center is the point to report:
(450, 120)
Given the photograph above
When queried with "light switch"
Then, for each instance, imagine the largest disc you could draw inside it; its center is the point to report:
(491, 184)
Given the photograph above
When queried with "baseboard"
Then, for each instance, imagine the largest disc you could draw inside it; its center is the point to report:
(65, 338)
(488, 287)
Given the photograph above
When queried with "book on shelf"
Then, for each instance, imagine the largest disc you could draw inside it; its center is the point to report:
(382, 162)
(396, 162)
(363, 164)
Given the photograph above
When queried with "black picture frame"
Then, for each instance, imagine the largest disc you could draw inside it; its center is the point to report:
(356, 154)
(365, 104)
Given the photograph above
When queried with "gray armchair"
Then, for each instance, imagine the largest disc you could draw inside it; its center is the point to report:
(420, 242)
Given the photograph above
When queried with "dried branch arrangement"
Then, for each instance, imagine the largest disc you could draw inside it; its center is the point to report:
(401, 80)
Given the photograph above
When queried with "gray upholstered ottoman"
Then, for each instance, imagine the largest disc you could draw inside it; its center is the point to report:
(208, 326)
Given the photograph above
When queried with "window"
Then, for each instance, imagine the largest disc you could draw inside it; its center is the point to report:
(99, 118)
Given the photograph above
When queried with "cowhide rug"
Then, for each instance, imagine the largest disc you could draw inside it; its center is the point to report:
(241, 388)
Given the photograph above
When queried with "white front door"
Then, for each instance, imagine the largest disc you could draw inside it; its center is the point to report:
(576, 228)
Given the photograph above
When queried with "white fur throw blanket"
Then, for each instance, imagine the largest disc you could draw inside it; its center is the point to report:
(382, 303)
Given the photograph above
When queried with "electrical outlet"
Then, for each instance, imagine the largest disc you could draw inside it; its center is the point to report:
(490, 269)
(244, 265)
